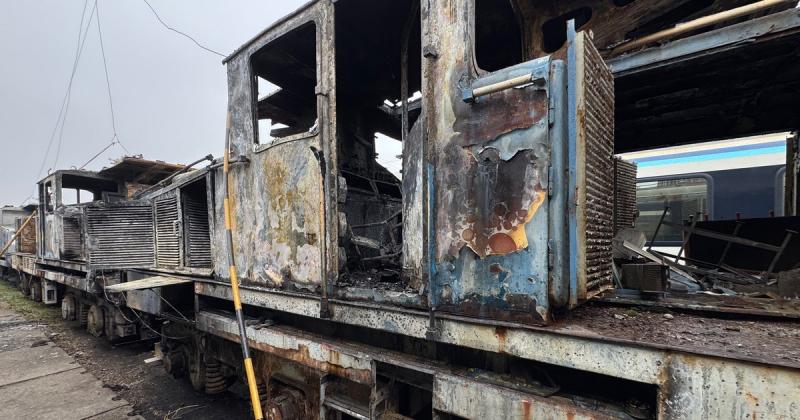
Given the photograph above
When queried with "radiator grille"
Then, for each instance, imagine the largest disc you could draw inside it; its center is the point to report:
(198, 238)
(120, 237)
(624, 194)
(599, 152)
(72, 245)
(168, 243)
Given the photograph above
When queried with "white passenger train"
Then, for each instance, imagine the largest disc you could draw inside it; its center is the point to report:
(727, 179)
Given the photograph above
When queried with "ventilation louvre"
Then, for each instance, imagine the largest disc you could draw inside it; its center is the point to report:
(120, 236)
(168, 243)
(198, 237)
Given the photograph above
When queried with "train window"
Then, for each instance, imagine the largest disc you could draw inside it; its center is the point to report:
(389, 154)
(498, 35)
(285, 81)
(554, 31)
(685, 196)
(49, 197)
(70, 196)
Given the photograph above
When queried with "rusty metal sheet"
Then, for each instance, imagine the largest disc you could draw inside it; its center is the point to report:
(283, 217)
(490, 178)
(283, 193)
(297, 346)
(478, 400)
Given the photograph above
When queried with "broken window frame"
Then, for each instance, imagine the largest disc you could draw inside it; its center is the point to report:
(258, 143)
(473, 31)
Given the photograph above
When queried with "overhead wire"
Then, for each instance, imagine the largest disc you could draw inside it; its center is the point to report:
(82, 32)
(108, 84)
(63, 111)
(179, 32)
(81, 42)
(79, 53)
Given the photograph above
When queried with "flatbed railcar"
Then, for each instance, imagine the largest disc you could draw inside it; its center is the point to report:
(468, 288)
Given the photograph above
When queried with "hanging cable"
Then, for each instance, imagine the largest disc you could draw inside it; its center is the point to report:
(114, 141)
(179, 32)
(108, 84)
(82, 32)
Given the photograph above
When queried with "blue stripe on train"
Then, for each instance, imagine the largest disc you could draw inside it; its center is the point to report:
(781, 144)
(650, 162)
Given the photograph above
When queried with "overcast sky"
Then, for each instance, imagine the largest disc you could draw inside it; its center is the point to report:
(170, 96)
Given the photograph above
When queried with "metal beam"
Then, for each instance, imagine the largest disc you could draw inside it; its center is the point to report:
(774, 25)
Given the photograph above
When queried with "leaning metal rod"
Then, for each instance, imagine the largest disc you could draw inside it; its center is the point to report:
(699, 23)
(255, 400)
(658, 227)
(17, 233)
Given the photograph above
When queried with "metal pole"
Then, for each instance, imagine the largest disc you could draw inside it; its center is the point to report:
(17, 233)
(728, 244)
(255, 400)
(779, 254)
(702, 22)
(658, 227)
(689, 234)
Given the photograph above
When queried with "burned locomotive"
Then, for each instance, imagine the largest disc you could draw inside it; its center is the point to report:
(458, 289)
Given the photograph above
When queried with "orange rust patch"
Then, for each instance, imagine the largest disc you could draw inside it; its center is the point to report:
(501, 243)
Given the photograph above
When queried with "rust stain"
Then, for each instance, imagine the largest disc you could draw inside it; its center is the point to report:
(302, 356)
(501, 113)
(526, 410)
(501, 333)
(502, 199)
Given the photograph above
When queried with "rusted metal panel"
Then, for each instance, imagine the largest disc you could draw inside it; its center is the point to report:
(413, 201)
(591, 142)
(490, 177)
(283, 217)
(596, 139)
(283, 194)
(295, 346)
(690, 385)
(477, 400)
(27, 238)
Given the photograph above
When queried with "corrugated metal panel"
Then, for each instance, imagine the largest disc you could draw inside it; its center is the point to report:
(599, 154)
(72, 242)
(198, 237)
(120, 236)
(624, 194)
(168, 242)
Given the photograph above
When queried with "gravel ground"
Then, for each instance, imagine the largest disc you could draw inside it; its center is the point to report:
(152, 392)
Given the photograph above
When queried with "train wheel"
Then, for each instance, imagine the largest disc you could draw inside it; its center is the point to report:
(36, 289)
(24, 285)
(96, 321)
(83, 315)
(68, 308)
(175, 363)
(197, 368)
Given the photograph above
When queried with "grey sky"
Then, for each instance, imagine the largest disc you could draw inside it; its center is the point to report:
(170, 96)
